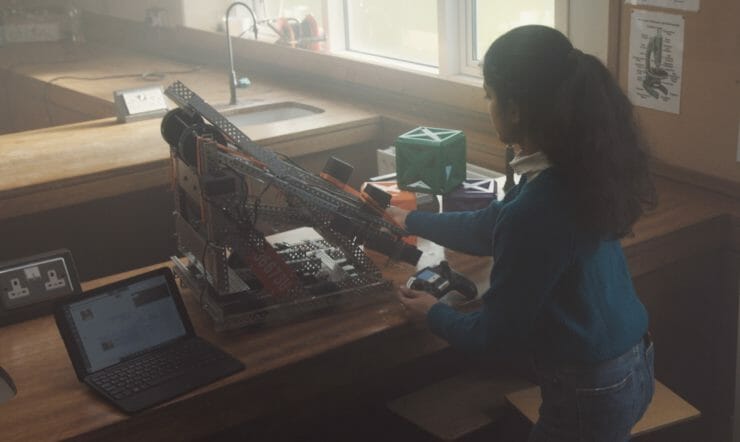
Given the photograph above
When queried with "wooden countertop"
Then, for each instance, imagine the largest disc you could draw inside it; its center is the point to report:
(285, 365)
(48, 168)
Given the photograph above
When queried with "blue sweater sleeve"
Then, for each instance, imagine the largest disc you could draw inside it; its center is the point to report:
(531, 251)
(467, 232)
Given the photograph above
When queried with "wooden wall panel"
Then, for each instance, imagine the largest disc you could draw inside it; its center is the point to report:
(704, 136)
(105, 236)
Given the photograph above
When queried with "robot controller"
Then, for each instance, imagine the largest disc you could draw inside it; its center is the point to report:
(439, 280)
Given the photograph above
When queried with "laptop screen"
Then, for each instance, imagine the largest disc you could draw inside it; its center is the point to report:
(124, 321)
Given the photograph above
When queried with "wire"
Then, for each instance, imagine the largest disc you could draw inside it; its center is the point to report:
(205, 273)
(245, 194)
(251, 28)
(257, 204)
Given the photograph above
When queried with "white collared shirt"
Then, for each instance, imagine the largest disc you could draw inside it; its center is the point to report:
(530, 165)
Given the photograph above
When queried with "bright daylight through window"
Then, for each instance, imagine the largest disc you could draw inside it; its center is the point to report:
(492, 18)
(445, 36)
(399, 30)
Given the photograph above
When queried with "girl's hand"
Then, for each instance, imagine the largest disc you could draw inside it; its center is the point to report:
(399, 215)
(416, 302)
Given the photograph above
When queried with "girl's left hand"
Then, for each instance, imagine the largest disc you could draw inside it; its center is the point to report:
(417, 302)
(399, 215)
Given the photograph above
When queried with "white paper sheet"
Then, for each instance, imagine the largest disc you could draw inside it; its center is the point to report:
(656, 60)
(685, 5)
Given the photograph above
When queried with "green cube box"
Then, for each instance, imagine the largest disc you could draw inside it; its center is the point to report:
(430, 160)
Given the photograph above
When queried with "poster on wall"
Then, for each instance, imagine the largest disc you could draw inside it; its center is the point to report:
(686, 5)
(656, 60)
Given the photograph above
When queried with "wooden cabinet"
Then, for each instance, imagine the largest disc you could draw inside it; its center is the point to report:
(106, 236)
(693, 307)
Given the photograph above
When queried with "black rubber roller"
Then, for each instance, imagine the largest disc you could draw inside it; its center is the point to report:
(175, 122)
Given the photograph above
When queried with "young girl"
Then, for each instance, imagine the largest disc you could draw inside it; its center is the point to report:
(559, 287)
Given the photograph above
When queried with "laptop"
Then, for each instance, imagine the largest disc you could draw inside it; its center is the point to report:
(132, 342)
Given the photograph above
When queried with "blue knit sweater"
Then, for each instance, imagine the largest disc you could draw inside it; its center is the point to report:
(556, 292)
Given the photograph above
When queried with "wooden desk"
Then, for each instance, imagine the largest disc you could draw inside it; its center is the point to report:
(300, 362)
(285, 365)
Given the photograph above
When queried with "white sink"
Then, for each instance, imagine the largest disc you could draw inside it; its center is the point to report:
(270, 113)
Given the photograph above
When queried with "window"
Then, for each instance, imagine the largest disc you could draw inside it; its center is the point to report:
(402, 30)
(492, 18)
(447, 37)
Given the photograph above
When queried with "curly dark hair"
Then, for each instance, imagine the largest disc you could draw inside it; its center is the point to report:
(572, 109)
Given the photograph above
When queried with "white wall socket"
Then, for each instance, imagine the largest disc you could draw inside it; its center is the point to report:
(17, 290)
(54, 282)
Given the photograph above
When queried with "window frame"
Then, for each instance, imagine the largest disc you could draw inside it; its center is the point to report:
(456, 35)
(468, 64)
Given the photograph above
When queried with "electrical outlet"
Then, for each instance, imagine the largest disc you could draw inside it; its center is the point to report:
(29, 282)
(54, 282)
(16, 289)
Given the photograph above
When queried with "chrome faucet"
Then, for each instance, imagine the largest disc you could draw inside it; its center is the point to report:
(233, 82)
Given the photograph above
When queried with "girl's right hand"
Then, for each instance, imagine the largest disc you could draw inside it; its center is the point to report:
(416, 302)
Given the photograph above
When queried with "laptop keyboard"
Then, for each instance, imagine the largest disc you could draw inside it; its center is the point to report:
(155, 368)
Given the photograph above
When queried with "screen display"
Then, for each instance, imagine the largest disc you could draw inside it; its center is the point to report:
(124, 322)
(427, 275)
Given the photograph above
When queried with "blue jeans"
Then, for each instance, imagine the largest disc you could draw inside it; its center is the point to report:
(600, 403)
